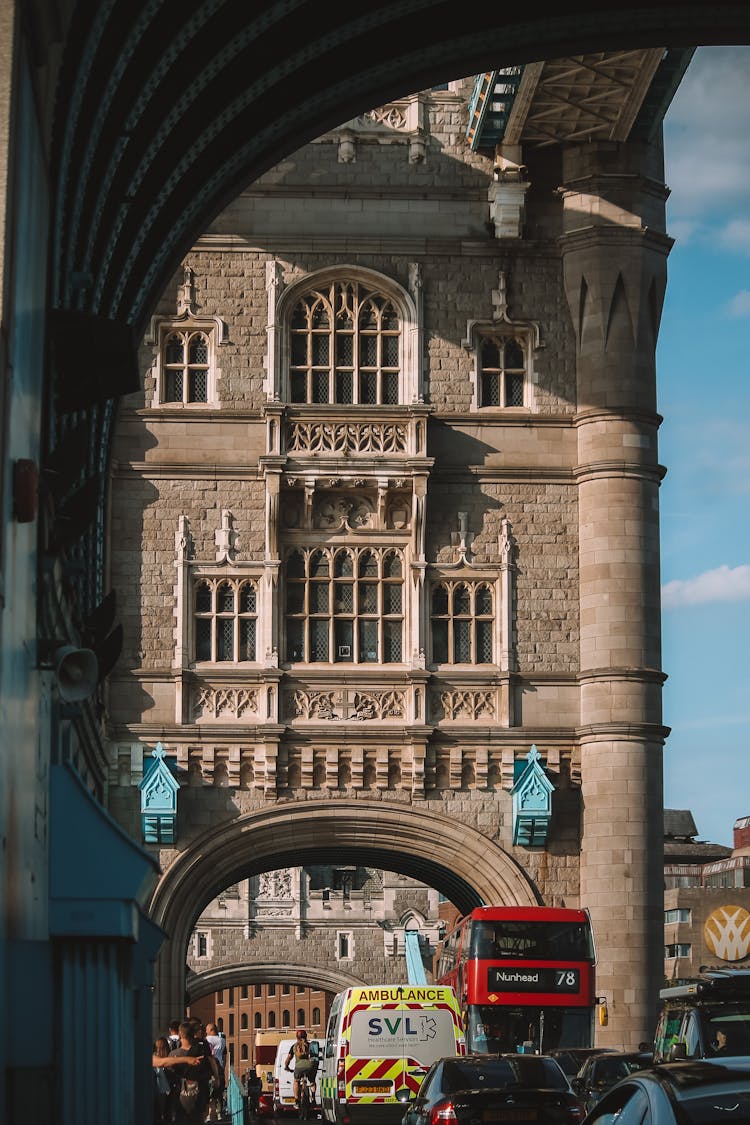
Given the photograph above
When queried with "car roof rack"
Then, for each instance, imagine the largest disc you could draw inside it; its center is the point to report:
(715, 981)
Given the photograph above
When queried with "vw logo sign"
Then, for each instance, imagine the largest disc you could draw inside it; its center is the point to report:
(727, 932)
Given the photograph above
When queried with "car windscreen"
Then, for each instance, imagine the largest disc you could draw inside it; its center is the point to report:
(734, 1022)
(607, 1071)
(499, 1074)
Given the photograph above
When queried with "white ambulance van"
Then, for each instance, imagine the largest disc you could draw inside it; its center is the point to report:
(380, 1043)
(283, 1079)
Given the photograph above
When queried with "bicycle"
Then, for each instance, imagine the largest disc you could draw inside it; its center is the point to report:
(305, 1101)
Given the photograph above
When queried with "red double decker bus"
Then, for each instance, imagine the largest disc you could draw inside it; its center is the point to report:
(524, 977)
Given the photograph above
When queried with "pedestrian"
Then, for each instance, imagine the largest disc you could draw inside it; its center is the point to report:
(173, 1034)
(218, 1047)
(193, 1076)
(168, 1064)
(162, 1082)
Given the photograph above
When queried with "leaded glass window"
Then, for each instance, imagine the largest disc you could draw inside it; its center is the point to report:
(502, 370)
(186, 364)
(344, 605)
(225, 620)
(345, 347)
(462, 623)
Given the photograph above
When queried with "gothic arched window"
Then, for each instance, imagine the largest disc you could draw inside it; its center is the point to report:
(225, 620)
(462, 622)
(186, 366)
(344, 605)
(345, 346)
(503, 366)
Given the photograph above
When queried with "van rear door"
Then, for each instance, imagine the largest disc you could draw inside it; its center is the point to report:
(400, 1041)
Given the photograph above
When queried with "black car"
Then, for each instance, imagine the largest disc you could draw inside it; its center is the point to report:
(601, 1072)
(701, 1092)
(493, 1089)
(571, 1059)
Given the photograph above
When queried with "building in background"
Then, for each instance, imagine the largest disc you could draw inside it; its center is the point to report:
(304, 920)
(706, 898)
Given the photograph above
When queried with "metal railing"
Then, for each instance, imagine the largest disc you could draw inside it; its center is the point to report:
(235, 1100)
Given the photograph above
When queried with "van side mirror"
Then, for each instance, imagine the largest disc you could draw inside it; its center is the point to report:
(677, 1052)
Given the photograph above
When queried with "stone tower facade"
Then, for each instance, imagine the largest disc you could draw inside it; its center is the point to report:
(386, 514)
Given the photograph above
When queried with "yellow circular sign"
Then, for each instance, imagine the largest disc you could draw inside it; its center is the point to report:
(727, 933)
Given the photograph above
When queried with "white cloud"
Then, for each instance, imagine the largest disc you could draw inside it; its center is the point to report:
(706, 128)
(724, 584)
(739, 304)
(736, 235)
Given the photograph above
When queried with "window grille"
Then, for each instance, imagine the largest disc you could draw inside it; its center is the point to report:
(344, 605)
(186, 361)
(225, 619)
(345, 347)
(503, 367)
(462, 623)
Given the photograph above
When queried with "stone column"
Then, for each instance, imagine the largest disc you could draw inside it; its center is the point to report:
(614, 259)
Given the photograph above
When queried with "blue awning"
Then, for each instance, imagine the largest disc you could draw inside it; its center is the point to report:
(100, 878)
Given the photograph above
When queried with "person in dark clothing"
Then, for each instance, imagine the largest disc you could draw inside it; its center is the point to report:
(201, 1073)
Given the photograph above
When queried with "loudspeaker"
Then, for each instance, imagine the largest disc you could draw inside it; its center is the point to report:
(77, 672)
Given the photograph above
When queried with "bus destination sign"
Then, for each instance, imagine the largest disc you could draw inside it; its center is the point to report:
(516, 978)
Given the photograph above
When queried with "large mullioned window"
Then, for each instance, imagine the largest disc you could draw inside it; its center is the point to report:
(345, 342)
(502, 370)
(225, 619)
(185, 366)
(344, 605)
(462, 623)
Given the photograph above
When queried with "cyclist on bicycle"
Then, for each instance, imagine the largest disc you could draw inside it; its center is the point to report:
(304, 1063)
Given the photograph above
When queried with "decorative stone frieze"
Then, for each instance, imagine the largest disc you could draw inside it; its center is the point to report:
(225, 703)
(348, 704)
(346, 437)
(464, 704)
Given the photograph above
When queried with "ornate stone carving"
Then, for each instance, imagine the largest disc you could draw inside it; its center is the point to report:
(183, 540)
(388, 116)
(377, 705)
(337, 511)
(224, 703)
(346, 437)
(315, 705)
(465, 704)
(275, 884)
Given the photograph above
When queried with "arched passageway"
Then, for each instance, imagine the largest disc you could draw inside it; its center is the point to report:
(465, 865)
(232, 976)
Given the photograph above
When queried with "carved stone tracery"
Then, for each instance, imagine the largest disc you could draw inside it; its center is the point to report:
(346, 437)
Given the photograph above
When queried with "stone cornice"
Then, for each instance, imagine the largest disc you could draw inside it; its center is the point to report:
(597, 470)
(616, 414)
(622, 732)
(607, 675)
(595, 235)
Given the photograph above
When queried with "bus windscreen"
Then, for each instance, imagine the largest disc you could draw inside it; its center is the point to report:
(533, 941)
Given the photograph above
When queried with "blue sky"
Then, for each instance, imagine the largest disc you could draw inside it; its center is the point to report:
(703, 370)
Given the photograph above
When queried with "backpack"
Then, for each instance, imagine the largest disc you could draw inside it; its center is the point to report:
(189, 1095)
(162, 1080)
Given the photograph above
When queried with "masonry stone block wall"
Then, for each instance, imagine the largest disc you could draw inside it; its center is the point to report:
(548, 500)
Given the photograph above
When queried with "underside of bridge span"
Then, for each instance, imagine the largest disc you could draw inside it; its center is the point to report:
(166, 111)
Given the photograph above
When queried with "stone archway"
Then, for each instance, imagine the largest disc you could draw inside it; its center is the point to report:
(232, 976)
(453, 857)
